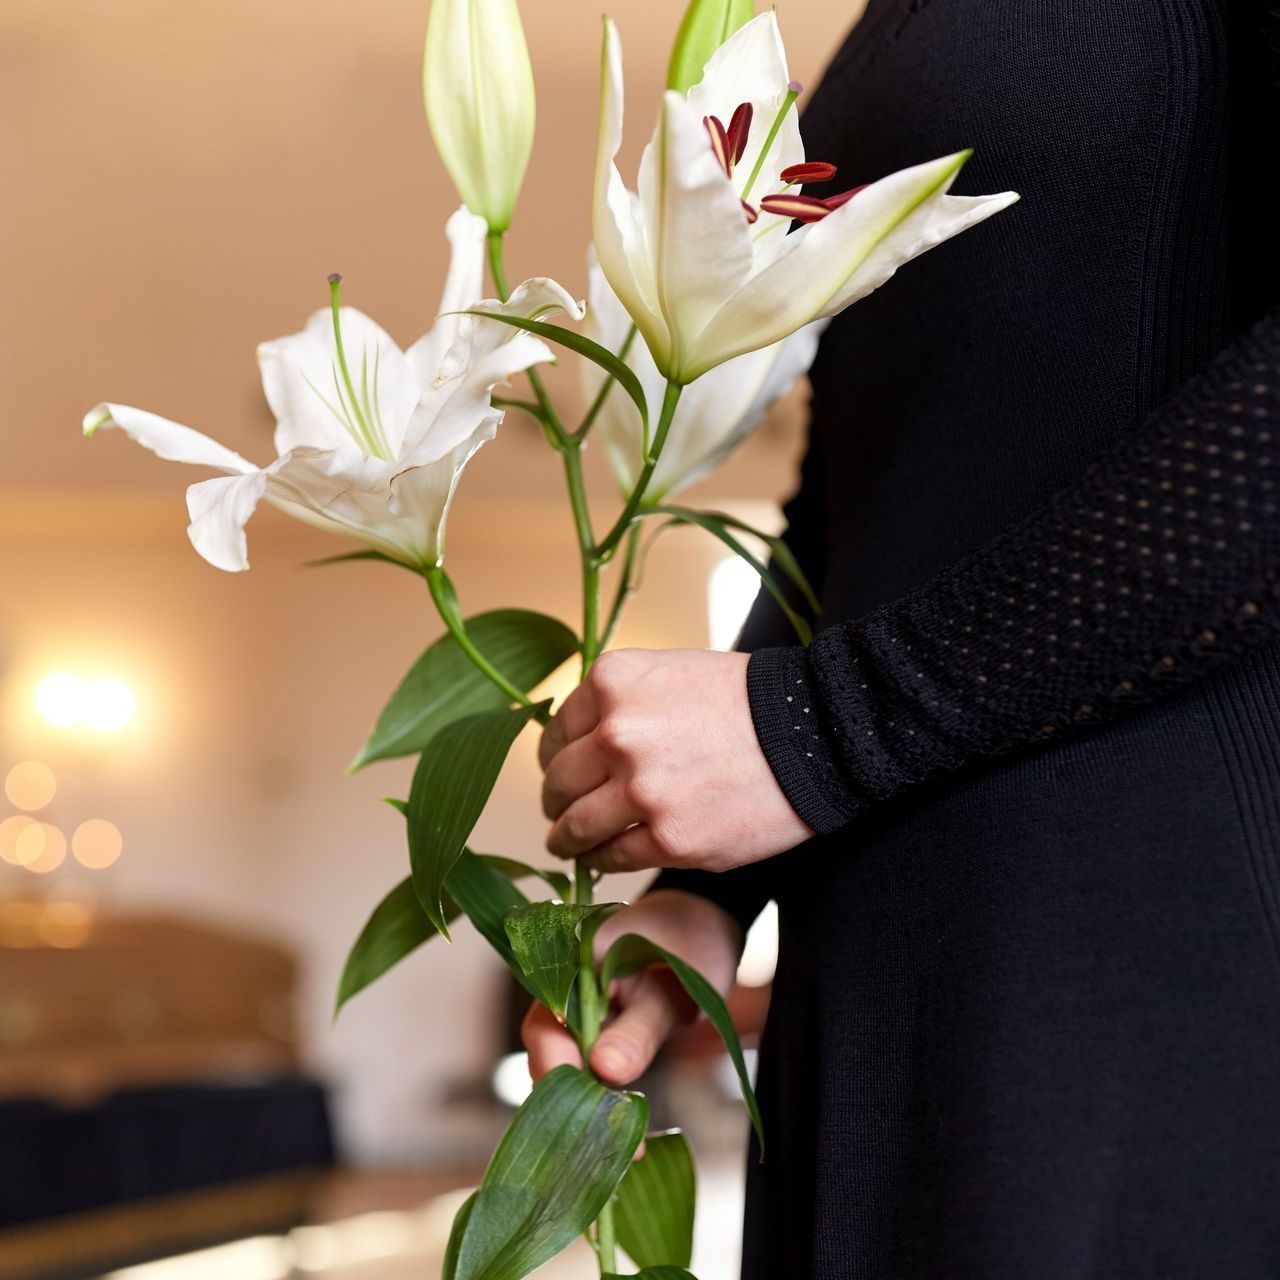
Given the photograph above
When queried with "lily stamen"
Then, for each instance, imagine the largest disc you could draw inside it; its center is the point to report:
(794, 90)
(360, 421)
(799, 175)
(719, 143)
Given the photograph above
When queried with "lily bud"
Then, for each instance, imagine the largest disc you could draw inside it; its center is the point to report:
(706, 26)
(478, 85)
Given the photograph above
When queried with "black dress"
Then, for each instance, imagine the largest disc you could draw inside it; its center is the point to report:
(1026, 1021)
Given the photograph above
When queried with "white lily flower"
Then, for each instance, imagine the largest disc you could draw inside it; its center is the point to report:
(478, 87)
(701, 257)
(714, 415)
(370, 439)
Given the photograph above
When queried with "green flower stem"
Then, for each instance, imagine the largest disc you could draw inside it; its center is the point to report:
(670, 403)
(626, 585)
(446, 603)
(610, 382)
(591, 561)
(593, 1005)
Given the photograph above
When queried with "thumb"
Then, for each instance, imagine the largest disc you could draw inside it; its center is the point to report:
(630, 1042)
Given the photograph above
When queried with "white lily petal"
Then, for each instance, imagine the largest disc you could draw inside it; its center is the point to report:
(618, 423)
(751, 66)
(617, 226)
(219, 510)
(463, 288)
(820, 261)
(168, 440)
(426, 493)
(715, 414)
(344, 491)
(698, 235)
(729, 404)
(938, 219)
(448, 412)
(309, 397)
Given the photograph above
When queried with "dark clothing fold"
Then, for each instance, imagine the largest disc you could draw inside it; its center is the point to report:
(1026, 1021)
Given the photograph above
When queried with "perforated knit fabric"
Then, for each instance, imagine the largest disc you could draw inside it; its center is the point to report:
(1163, 562)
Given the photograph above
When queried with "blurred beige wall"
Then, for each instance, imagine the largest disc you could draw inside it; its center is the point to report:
(179, 179)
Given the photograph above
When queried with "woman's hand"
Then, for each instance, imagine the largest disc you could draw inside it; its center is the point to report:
(652, 1003)
(654, 762)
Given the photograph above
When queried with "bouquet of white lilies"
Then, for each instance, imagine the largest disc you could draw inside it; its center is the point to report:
(709, 287)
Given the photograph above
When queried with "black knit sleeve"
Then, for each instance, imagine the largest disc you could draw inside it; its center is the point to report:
(744, 891)
(1160, 564)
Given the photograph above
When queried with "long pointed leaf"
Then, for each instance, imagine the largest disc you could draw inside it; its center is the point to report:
(397, 927)
(546, 939)
(781, 552)
(556, 881)
(586, 348)
(631, 953)
(654, 1273)
(560, 1161)
(685, 515)
(450, 788)
(656, 1201)
(443, 685)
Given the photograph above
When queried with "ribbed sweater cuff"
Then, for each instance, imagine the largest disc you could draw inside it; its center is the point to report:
(787, 724)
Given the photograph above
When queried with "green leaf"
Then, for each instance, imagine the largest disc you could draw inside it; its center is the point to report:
(353, 557)
(449, 1271)
(443, 685)
(655, 1203)
(649, 1273)
(585, 347)
(706, 26)
(781, 552)
(397, 927)
(716, 527)
(631, 953)
(450, 788)
(555, 1169)
(557, 881)
(485, 896)
(547, 941)
(479, 886)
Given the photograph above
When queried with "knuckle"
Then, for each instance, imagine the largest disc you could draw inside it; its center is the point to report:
(642, 792)
(607, 673)
(615, 735)
(668, 840)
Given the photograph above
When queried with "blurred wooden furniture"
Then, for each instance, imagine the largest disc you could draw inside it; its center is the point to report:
(150, 1100)
(136, 1000)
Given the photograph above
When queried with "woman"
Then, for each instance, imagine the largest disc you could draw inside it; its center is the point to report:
(1026, 1021)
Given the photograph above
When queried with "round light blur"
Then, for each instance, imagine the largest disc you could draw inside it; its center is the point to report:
(108, 705)
(97, 843)
(30, 785)
(10, 830)
(40, 847)
(60, 699)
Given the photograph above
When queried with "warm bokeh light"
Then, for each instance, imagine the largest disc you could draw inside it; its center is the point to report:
(65, 923)
(10, 830)
(30, 785)
(60, 699)
(40, 847)
(108, 705)
(97, 843)
(65, 700)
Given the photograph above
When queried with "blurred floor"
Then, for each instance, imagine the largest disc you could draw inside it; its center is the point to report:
(394, 1226)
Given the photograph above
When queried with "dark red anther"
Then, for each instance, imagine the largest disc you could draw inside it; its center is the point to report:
(835, 202)
(740, 131)
(753, 214)
(815, 171)
(801, 208)
(719, 143)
